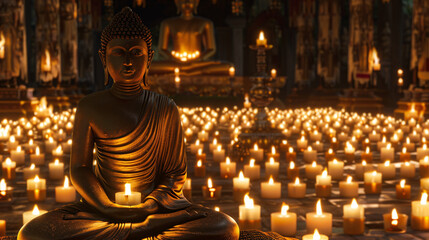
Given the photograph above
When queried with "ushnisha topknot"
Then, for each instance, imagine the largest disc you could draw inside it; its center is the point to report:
(126, 25)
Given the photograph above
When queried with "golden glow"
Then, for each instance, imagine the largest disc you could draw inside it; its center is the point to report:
(248, 202)
(335, 161)
(209, 183)
(319, 208)
(330, 151)
(200, 151)
(394, 217)
(8, 161)
(284, 210)
(290, 149)
(374, 173)
(227, 160)
(199, 163)
(36, 210)
(2, 43)
(354, 204)
(314, 164)
(32, 166)
(424, 198)
(241, 175)
(66, 182)
(261, 36)
(37, 151)
(349, 179)
(316, 235)
(309, 149)
(3, 186)
(46, 61)
(291, 165)
(387, 163)
(255, 147)
(217, 209)
(325, 173)
(272, 160)
(273, 150)
(402, 183)
(252, 162)
(57, 161)
(271, 181)
(404, 150)
(297, 180)
(231, 71)
(36, 179)
(127, 189)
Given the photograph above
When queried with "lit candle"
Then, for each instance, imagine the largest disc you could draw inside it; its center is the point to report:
(420, 213)
(272, 168)
(195, 146)
(18, 156)
(50, 145)
(422, 152)
(67, 146)
(394, 222)
(31, 172)
(200, 169)
(256, 153)
(8, 169)
(29, 215)
(56, 170)
(273, 73)
(334, 143)
(5, 192)
(361, 168)
(323, 184)
(414, 136)
(37, 158)
(404, 156)
(424, 167)
(366, 143)
(336, 169)
(211, 192)
(387, 153)
(261, 41)
(388, 170)
(58, 152)
(36, 189)
(249, 214)
(271, 189)
(2, 228)
(227, 168)
(273, 154)
(12, 143)
(319, 220)
(349, 151)
(290, 155)
(241, 186)
(348, 188)
(284, 222)
(407, 170)
(353, 219)
(213, 146)
(203, 136)
(252, 170)
(403, 191)
(312, 170)
(2, 48)
(372, 182)
(374, 136)
(296, 189)
(65, 193)
(231, 71)
(200, 155)
(315, 236)
(219, 154)
(424, 184)
(367, 155)
(292, 171)
(128, 197)
(301, 143)
(310, 155)
(246, 103)
(411, 147)
(329, 155)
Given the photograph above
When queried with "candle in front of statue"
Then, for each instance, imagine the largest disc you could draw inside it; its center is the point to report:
(128, 197)
(420, 213)
(271, 189)
(361, 168)
(310, 155)
(5, 192)
(37, 158)
(31, 172)
(261, 41)
(36, 189)
(273, 154)
(301, 143)
(66, 193)
(249, 214)
(200, 169)
(348, 188)
(296, 189)
(372, 182)
(227, 168)
(272, 168)
(424, 167)
(403, 191)
(283, 222)
(29, 215)
(395, 222)
(315, 236)
(56, 170)
(387, 170)
(211, 192)
(312, 170)
(256, 153)
(353, 219)
(290, 155)
(8, 169)
(336, 169)
(323, 184)
(387, 153)
(252, 170)
(292, 171)
(329, 155)
(18, 156)
(319, 220)
(241, 186)
(407, 170)
(349, 152)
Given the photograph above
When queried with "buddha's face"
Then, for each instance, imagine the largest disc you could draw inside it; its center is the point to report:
(126, 59)
(186, 6)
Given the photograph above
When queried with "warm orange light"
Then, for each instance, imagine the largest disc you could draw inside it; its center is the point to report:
(209, 183)
(354, 204)
(199, 163)
(319, 208)
(297, 181)
(248, 202)
(271, 181)
(394, 217)
(127, 189)
(36, 210)
(402, 183)
(241, 175)
(66, 182)
(2, 44)
(424, 198)
(316, 235)
(252, 162)
(349, 179)
(291, 165)
(284, 210)
(46, 61)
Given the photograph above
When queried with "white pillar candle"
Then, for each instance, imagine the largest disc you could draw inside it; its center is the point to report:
(249, 211)
(30, 215)
(422, 152)
(349, 188)
(361, 168)
(310, 155)
(218, 154)
(67, 146)
(18, 155)
(227, 168)
(56, 170)
(407, 170)
(411, 147)
(315, 136)
(353, 210)
(58, 152)
(30, 146)
(241, 182)
(213, 146)
(387, 170)
(272, 168)
(31, 172)
(195, 146)
(420, 213)
(50, 145)
(271, 189)
(12, 143)
(301, 143)
(387, 153)
(128, 197)
(8, 169)
(319, 220)
(323, 179)
(203, 136)
(424, 184)
(372, 177)
(252, 170)
(312, 170)
(284, 222)
(414, 136)
(336, 169)
(315, 236)
(37, 158)
(256, 153)
(36, 189)
(65, 193)
(374, 136)
(296, 189)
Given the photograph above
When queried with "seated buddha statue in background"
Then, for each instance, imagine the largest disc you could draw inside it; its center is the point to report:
(193, 43)
(138, 137)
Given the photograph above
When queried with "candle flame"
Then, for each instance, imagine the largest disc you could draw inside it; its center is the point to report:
(36, 210)
(291, 165)
(297, 180)
(325, 173)
(284, 210)
(272, 160)
(66, 182)
(46, 65)
(314, 164)
(37, 151)
(273, 150)
(8, 161)
(200, 151)
(407, 164)
(248, 202)
(316, 235)
(217, 209)
(290, 149)
(3, 186)
(330, 151)
(57, 161)
(387, 163)
(394, 217)
(335, 161)
(18, 149)
(36, 179)
(271, 181)
(127, 189)
(349, 179)
(12, 139)
(228, 160)
(374, 173)
(59, 149)
(219, 147)
(261, 35)
(404, 150)
(32, 166)
(255, 147)
(426, 159)
(319, 208)
(209, 183)
(199, 163)
(354, 204)
(402, 183)
(252, 162)
(424, 198)
(241, 175)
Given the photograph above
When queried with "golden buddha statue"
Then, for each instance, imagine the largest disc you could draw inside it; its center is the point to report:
(139, 140)
(193, 43)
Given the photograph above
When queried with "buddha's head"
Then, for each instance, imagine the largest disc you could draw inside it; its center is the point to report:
(187, 7)
(126, 48)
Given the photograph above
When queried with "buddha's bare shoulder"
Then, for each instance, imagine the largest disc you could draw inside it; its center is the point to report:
(90, 102)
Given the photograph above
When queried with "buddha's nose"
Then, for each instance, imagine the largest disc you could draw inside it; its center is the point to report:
(127, 61)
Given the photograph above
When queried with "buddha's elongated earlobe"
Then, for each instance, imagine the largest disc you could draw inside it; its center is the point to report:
(106, 76)
(144, 83)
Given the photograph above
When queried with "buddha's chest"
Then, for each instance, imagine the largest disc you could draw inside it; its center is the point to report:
(187, 30)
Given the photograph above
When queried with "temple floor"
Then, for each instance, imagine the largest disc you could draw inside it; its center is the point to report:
(375, 205)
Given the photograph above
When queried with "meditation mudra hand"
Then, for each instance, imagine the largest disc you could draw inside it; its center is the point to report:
(138, 138)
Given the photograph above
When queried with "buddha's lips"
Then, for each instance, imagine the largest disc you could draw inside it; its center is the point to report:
(128, 72)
